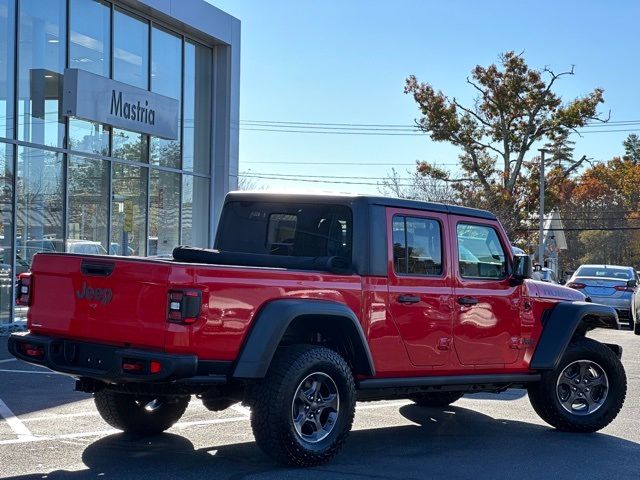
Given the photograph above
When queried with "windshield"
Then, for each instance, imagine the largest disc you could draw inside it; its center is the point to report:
(604, 272)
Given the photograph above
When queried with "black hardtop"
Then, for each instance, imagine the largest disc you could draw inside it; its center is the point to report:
(358, 199)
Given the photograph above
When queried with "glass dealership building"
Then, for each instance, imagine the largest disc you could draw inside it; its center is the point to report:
(118, 127)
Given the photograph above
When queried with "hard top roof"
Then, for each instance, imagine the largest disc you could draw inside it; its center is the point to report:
(357, 198)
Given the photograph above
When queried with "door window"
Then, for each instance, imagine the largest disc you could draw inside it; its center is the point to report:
(480, 254)
(417, 246)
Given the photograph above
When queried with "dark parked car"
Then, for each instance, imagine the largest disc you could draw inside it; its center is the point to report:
(611, 285)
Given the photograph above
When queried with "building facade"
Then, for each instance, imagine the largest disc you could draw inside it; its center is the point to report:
(118, 128)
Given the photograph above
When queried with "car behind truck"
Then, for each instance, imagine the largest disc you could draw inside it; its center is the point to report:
(310, 302)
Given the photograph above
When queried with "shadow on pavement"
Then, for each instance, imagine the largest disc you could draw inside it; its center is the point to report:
(448, 443)
(511, 394)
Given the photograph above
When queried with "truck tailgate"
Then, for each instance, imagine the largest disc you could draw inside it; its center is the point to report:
(105, 299)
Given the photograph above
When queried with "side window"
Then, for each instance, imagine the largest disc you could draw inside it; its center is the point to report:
(310, 232)
(480, 254)
(417, 246)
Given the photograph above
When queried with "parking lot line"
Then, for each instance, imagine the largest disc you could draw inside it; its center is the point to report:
(59, 416)
(49, 372)
(25, 436)
(19, 428)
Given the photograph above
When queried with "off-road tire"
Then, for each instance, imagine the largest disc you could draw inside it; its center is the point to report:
(546, 403)
(271, 402)
(127, 412)
(436, 399)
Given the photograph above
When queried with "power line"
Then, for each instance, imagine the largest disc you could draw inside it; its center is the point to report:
(311, 180)
(594, 229)
(397, 125)
(319, 132)
(367, 164)
(387, 133)
(290, 175)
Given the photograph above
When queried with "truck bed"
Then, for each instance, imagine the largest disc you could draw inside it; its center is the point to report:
(124, 301)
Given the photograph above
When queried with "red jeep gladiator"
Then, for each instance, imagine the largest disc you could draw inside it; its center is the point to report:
(309, 302)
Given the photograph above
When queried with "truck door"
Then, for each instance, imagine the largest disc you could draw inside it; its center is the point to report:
(487, 325)
(420, 290)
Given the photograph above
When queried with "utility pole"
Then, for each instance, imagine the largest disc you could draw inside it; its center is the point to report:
(541, 236)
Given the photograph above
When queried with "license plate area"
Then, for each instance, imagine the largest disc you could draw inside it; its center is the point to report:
(77, 354)
(600, 290)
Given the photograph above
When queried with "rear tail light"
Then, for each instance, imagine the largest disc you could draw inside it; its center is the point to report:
(184, 306)
(576, 285)
(133, 365)
(35, 351)
(624, 288)
(25, 286)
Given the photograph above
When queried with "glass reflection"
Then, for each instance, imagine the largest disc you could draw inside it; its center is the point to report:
(166, 68)
(88, 137)
(195, 205)
(41, 60)
(130, 145)
(130, 49)
(7, 27)
(196, 139)
(88, 191)
(164, 212)
(39, 202)
(89, 45)
(6, 232)
(128, 210)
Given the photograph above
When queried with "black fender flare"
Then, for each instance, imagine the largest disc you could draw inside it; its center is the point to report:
(271, 323)
(561, 325)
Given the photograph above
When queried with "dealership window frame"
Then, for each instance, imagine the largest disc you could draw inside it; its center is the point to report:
(67, 152)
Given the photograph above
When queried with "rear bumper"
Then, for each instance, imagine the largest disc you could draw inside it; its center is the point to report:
(623, 304)
(105, 362)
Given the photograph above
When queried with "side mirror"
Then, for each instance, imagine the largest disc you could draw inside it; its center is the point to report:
(521, 269)
(632, 284)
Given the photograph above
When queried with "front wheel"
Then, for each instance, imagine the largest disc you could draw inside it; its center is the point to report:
(302, 411)
(585, 392)
(139, 413)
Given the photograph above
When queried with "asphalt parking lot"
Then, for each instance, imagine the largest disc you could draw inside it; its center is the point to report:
(50, 432)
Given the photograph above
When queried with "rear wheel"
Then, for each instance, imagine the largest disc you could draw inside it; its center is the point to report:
(585, 392)
(139, 413)
(436, 399)
(302, 411)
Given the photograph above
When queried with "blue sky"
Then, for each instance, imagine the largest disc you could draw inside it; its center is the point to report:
(345, 62)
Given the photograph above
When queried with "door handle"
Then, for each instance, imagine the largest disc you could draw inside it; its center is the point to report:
(467, 301)
(408, 299)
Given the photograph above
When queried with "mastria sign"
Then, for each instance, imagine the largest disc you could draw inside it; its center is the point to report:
(99, 99)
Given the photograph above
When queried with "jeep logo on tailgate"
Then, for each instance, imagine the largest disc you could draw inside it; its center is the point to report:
(102, 295)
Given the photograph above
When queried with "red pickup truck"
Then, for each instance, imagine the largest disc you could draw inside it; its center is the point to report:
(309, 302)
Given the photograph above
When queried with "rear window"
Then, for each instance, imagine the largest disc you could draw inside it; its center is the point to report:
(298, 230)
(604, 272)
